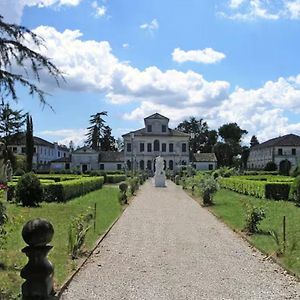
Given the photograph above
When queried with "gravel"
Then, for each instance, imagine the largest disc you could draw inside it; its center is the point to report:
(165, 246)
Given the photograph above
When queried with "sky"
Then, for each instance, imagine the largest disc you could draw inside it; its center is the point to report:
(220, 60)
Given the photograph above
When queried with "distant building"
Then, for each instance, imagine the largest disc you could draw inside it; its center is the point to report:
(142, 146)
(44, 151)
(205, 161)
(284, 151)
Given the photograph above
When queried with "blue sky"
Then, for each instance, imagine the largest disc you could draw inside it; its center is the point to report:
(223, 61)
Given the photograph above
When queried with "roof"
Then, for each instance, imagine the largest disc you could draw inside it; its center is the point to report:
(85, 149)
(205, 157)
(156, 116)
(285, 140)
(111, 156)
(143, 132)
(62, 160)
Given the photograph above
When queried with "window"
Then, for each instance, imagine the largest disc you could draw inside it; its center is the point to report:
(156, 145)
(149, 165)
(67, 166)
(171, 164)
(210, 167)
(183, 147)
(128, 147)
(149, 128)
(101, 166)
(58, 153)
(142, 147)
(119, 166)
(23, 150)
(294, 151)
(280, 151)
(163, 128)
(34, 150)
(15, 149)
(171, 147)
(163, 147)
(128, 164)
(142, 165)
(149, 147)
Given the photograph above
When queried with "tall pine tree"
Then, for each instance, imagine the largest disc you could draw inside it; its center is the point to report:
(29, 143)
(108, 142)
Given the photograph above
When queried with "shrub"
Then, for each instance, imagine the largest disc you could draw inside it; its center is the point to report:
(115, 178)
(270, 166)
(19, 172)
(277, 191)
(3, 215)
(177, 179)
(295, 191)
(123, 192)
(254, 216)
(134, 185)
(29, 190)
(208, 187)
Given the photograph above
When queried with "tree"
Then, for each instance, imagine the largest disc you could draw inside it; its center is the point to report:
(224, 154)
(212, 139)
(11, 121)
(107, 142)
(199, 129)
(254, 141)
(29, 143)
(244, 156)
(95, 131)
(17, 59)
(120, 144)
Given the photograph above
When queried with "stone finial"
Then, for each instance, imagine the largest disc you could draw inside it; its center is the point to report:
(38, 273)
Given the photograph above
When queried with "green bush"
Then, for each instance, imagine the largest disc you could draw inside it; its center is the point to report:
(29, 190)
(270, 166)
(254, 216)
(123, 192)
(295, 191)
(19, 172)
(116, 178)
(134, 185)
(177, 179)
(208, 187)
(277, 191)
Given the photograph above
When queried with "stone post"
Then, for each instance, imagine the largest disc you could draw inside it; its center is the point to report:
(38, 273)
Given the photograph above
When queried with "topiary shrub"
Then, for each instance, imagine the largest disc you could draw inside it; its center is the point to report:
(270, 166)
(254, 216)
(29, 190)
(177, 179)
(19, 172)
(134, 185)
(123, 192)
(208, 187)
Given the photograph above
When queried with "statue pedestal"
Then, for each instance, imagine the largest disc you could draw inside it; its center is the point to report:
(160, 180)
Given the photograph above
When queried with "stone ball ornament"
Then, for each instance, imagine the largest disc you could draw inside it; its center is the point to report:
(37, 232)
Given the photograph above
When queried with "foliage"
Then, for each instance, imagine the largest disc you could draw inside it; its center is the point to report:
(14, 51)
(177, 179)
(19, 172)
(134, 185)
(3, 220)
(224, 154)
(123, 192)
(254, 216)
(107, 142)
(231, 133)
(116, 178)
(295, 191)
(29, 190)
(279, 244)
(270, 166)
(11, 122)
(254, 141)
(95, 130)
(244, 156)
(78, 230)
(208, 187)
(29, 143)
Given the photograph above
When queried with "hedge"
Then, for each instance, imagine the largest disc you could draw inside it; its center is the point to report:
(258, 189)
(115, 178)
(65, 190)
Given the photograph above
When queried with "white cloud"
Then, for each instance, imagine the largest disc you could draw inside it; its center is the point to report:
(12, 10)
(64, 136)
(91, 66)
(206, 56)
(249, 10)
(100, 10)
(125, 45)
(152, 26)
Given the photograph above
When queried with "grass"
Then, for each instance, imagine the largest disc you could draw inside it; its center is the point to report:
(230, 207)
(60, 215)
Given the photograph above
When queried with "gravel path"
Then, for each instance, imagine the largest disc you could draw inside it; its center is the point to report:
(165, 246)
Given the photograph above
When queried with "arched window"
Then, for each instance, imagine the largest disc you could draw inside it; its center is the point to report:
(156, 145)
(165, 164)
(183, 162)
(129, 164)
(142, 165)
(171, 164)
(149, 165)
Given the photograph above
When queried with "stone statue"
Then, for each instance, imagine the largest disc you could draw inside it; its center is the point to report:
(159, 177)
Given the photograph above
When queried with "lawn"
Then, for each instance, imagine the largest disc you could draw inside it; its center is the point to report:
(231, 208)
(60, 215)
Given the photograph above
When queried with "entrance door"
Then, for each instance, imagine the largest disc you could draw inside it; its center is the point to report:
(84, 168)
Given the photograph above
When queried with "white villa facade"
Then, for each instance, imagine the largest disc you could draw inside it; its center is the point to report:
(142, 146)
(280, 150)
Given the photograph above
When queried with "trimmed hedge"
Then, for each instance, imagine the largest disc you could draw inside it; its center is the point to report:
(115, 178)
(258, 189)
(65, 190)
